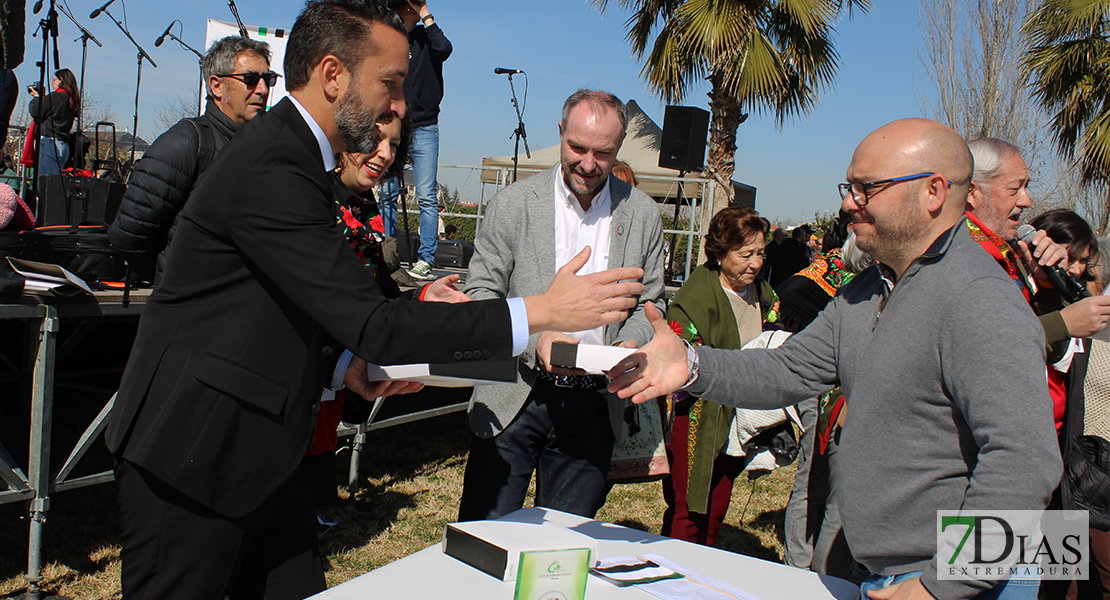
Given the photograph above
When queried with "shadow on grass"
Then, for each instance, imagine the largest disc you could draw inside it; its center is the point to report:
(747, 540)
(391, 456)
(80, 523)
(634, 524)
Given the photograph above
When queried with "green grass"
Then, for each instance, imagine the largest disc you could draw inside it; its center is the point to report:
(411, 482)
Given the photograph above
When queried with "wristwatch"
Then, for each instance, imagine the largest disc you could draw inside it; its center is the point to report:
(691, 364)
(425, 18)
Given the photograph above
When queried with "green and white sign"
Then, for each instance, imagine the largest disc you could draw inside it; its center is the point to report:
(552, 574)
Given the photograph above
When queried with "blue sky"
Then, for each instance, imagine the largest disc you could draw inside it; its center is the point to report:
(562, 45)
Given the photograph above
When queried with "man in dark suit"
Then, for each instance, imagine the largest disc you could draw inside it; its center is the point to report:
(260, 293)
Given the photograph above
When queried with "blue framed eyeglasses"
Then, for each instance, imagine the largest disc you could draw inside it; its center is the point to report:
(858, 190)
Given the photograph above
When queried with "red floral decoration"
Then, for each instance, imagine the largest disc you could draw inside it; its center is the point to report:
(676, 327)
(377, 225)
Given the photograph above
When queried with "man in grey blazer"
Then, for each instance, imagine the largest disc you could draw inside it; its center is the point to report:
(559, 423)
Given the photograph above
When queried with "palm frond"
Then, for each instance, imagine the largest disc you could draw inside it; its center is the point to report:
(1069, 69)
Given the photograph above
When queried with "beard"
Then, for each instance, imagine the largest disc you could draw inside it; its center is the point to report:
(356, 122)
(994, 219)
(584, 187)
(896, 233)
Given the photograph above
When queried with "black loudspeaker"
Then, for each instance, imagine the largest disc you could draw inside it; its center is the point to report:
(68, 200)
(682, 146)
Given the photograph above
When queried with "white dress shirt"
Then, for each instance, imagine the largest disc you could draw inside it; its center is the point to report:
(575, 229)
(518, 313)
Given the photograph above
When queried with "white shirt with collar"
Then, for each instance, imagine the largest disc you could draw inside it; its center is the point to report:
(518, 313)
(575, 229)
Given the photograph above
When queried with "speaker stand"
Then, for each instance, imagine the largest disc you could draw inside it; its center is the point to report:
(674, 223)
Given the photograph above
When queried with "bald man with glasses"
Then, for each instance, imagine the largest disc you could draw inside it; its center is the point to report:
(939, 356)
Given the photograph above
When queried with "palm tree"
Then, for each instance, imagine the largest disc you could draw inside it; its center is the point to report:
(775, 56)
(1069, 66)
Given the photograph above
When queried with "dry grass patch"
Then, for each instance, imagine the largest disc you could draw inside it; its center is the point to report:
(411, 483)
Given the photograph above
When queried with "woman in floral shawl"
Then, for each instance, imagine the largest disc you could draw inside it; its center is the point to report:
(722, 305)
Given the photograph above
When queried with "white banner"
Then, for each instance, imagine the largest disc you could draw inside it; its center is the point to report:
(276, 38)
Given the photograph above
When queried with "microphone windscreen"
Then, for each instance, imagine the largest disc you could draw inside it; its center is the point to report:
(1026, 233)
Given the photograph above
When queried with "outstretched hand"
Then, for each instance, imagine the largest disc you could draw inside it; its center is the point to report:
(444, 290)
(579, 302)
(656, 370)
(355, 379)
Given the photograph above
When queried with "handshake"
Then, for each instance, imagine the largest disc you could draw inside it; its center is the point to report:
(572, 302)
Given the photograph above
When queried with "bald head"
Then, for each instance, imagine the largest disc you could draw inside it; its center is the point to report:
(899, 219)
(911, 146)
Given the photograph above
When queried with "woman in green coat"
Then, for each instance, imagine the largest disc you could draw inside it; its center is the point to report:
(723, 305)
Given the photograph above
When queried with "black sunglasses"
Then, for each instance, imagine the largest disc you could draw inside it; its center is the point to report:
(251, 79)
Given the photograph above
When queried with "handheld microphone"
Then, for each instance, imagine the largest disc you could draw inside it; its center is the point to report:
(503, 71)
(1064, 283)
(96, 13)
(161, 38)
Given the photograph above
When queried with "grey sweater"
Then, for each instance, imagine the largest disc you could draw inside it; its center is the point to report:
(948, 401)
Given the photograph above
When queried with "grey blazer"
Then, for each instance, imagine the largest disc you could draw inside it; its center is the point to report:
(514, 256)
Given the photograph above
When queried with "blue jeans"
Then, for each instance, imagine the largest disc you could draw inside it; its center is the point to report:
(563, 434)
(425, 160)
(53, 156)
(1010, 589)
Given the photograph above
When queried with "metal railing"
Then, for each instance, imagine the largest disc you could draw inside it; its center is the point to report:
(476, 192)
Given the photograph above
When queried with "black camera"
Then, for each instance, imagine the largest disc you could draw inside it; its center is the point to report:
(36, 86)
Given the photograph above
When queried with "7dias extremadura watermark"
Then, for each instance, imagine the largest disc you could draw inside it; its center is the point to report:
(1012, 544)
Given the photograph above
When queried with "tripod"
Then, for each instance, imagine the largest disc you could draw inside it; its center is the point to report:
(519, 133)
(138, 80)
(79, 158)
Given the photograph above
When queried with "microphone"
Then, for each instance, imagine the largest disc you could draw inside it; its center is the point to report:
(96, 13)
(1064, 283)
(38, 7)
(162, 37)
(503, 71)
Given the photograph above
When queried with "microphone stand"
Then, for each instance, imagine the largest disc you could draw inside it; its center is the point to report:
(238, 21)
(200, 57)
(138, 80)
(79, 160)
(519, 133)
(187, 46)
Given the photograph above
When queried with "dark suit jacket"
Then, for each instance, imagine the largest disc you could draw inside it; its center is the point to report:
(261, 293)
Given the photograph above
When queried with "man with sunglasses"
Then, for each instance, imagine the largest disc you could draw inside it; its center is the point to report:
(238, 79)
(939, 357)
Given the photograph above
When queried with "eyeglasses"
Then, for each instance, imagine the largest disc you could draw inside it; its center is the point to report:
(858, 191)
(251, 79)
